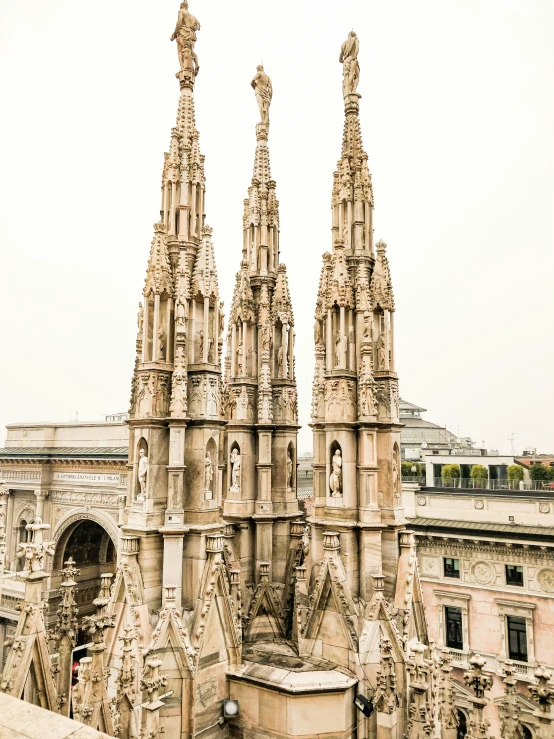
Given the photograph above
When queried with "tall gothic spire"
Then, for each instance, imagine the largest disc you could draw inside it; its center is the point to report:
(260, 381)
(177, 379)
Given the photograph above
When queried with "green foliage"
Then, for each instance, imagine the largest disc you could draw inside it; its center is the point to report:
(407, 469)
(478, 472)
(515, 472)
(539, 472)
(450, 472)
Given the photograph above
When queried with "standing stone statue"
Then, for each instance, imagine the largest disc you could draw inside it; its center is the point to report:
(140, 319)
(395, 476)
(280, 362)
(185, 33)
(235, 470)
(264, 92)
(208, 473)
(381, 354)
(335, 478)
(289, 471)
(161, 346)
(239, 358)
(142, 472)
(201, 337)
(350, 67)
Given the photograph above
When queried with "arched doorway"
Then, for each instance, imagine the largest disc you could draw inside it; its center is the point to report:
(461, 731)
(93, 549)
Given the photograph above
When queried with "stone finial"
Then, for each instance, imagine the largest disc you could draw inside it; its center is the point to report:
(407, 539)
(214, 543)
(331, 541)
(153, 681)
(35, 550)
(378, 583)
(129, 545)
(228, 530)
(170, 596)
(126, 673)
(543, 693)
(264, 571)
(475, 678)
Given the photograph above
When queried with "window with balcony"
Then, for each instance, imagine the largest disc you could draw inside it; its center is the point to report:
(454, 632)
(517, 638)
(452, 568)
(514, 575)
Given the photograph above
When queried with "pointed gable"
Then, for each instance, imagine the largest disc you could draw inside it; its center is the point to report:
(242, 307)
(204, 275)
(158, 274)
(281, 306)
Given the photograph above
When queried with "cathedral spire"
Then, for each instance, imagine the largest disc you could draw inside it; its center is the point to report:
(352, 199)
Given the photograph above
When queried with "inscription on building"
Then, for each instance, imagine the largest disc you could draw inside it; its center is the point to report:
(101, 477)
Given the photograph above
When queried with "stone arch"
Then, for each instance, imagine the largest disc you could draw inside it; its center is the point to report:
(334, 483)
(66, 526)
(24, 517)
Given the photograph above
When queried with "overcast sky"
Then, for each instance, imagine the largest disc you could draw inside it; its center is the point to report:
(457, 116)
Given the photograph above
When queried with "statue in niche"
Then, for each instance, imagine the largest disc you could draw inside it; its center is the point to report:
(265, 338)
(201, 337)
(395, 475)
(235, 470)
(340, 349)
(142, 473)
(350, 66)
(289, 471)
(140, 319)
(367, 325)
(317, 333)
(180, 313)
(306, 541)
(161, 345)
(264, 92)
(208, 473)
(335, 478)
(381, 352)
(280, 362)
(221, 318)
(239, 358)
(211, 349)
(185, 33)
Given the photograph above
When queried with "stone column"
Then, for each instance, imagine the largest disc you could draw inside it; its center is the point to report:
(145, 330)
(40, 495)
(330, 352)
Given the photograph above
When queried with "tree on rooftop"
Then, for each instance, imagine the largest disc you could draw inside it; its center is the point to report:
(515, 472)
(450, 474)
(479, 474)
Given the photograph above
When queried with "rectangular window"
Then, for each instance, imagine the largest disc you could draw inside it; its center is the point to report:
(514, 575)
(517, 638)
(452, 568)
(454, 635)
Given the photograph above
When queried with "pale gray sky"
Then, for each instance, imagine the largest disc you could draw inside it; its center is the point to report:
(457, 116)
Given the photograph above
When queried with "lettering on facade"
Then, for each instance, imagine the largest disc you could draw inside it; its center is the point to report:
(58, 496)
(86, 477)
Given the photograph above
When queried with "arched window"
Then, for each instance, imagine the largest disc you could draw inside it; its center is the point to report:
(527, 733)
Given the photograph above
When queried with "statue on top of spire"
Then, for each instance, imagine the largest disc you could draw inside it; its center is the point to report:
(264, 92)
(349, 60)
(185, 33)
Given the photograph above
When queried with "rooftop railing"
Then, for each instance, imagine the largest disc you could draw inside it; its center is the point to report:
(468, 483)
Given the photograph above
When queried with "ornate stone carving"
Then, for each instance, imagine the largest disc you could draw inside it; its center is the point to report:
(545, 579)
(479, 682)
(482, 572)
(235, 469)
(509, 709)
(386, 698)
